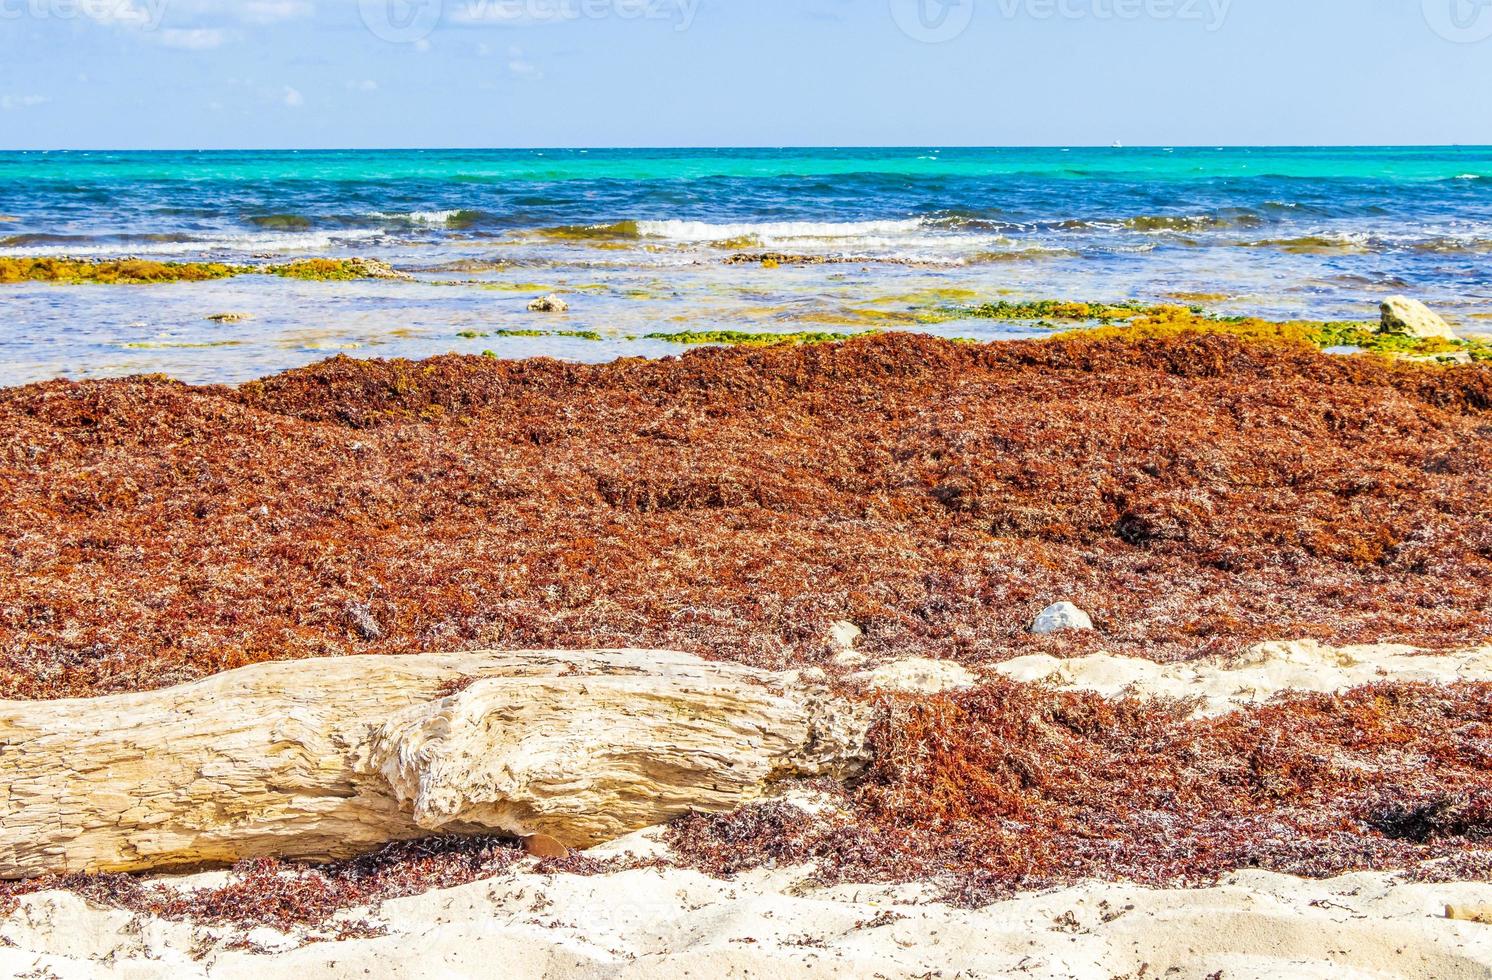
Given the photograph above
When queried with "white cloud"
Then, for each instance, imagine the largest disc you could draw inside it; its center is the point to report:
(520, 66)
(193, 39)
(366, 85)
(293, 98)
(273, 11)
(8, 102)
(209, 20)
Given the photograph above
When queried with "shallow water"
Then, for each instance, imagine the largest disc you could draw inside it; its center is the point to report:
(636, 239)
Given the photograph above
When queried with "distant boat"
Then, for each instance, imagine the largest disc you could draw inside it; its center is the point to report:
(1118, 145)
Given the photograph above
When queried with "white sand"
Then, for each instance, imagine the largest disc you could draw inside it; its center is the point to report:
(1255, 676)
(651, 924)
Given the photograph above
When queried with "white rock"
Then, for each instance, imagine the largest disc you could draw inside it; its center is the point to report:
(549, 304)
(1403, 315)
(844, 634)
(1060, 618)
(919, 676)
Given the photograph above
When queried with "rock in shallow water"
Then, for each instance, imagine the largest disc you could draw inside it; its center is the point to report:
(376, 269)
(1402, 315)
(1060, 618)
(549, 304)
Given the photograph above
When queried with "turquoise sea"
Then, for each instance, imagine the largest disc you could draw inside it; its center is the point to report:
(637, 242)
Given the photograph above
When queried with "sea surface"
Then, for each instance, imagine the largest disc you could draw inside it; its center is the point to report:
(637, 241)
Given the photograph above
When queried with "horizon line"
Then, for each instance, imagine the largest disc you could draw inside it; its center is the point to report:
(757, 146)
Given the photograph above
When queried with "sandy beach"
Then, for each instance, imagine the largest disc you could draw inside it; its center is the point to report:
(682, 924)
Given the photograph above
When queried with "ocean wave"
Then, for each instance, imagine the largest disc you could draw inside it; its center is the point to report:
(702, 231)
(1197, 222)
(1344, 243)
(965, 222)
(1153, 223)
(1453, 246)
(111, 246)
(43, 240)
(280, 222)
(1136, 249)
(947, 226)
(619, 230)
(451, 218)
(858, 236)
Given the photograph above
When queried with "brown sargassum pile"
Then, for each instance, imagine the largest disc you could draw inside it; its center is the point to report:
(1011, 787)
(1196, 494)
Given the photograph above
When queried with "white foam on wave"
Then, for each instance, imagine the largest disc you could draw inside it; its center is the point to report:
(434, 219)
(703, 231)
(237, 244)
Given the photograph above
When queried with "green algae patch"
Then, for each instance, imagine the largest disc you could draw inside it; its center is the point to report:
(112, 272)
(1174, 321)
(332, 270)
(573, 334)
(1053, 311)
(146, 271)
(743, 338)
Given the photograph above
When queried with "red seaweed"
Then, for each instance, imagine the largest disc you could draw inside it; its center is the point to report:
(1196, 494)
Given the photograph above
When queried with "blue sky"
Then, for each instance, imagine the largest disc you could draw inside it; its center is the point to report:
(312, 73)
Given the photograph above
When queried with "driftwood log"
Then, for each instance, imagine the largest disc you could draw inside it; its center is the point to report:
(326, 759)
